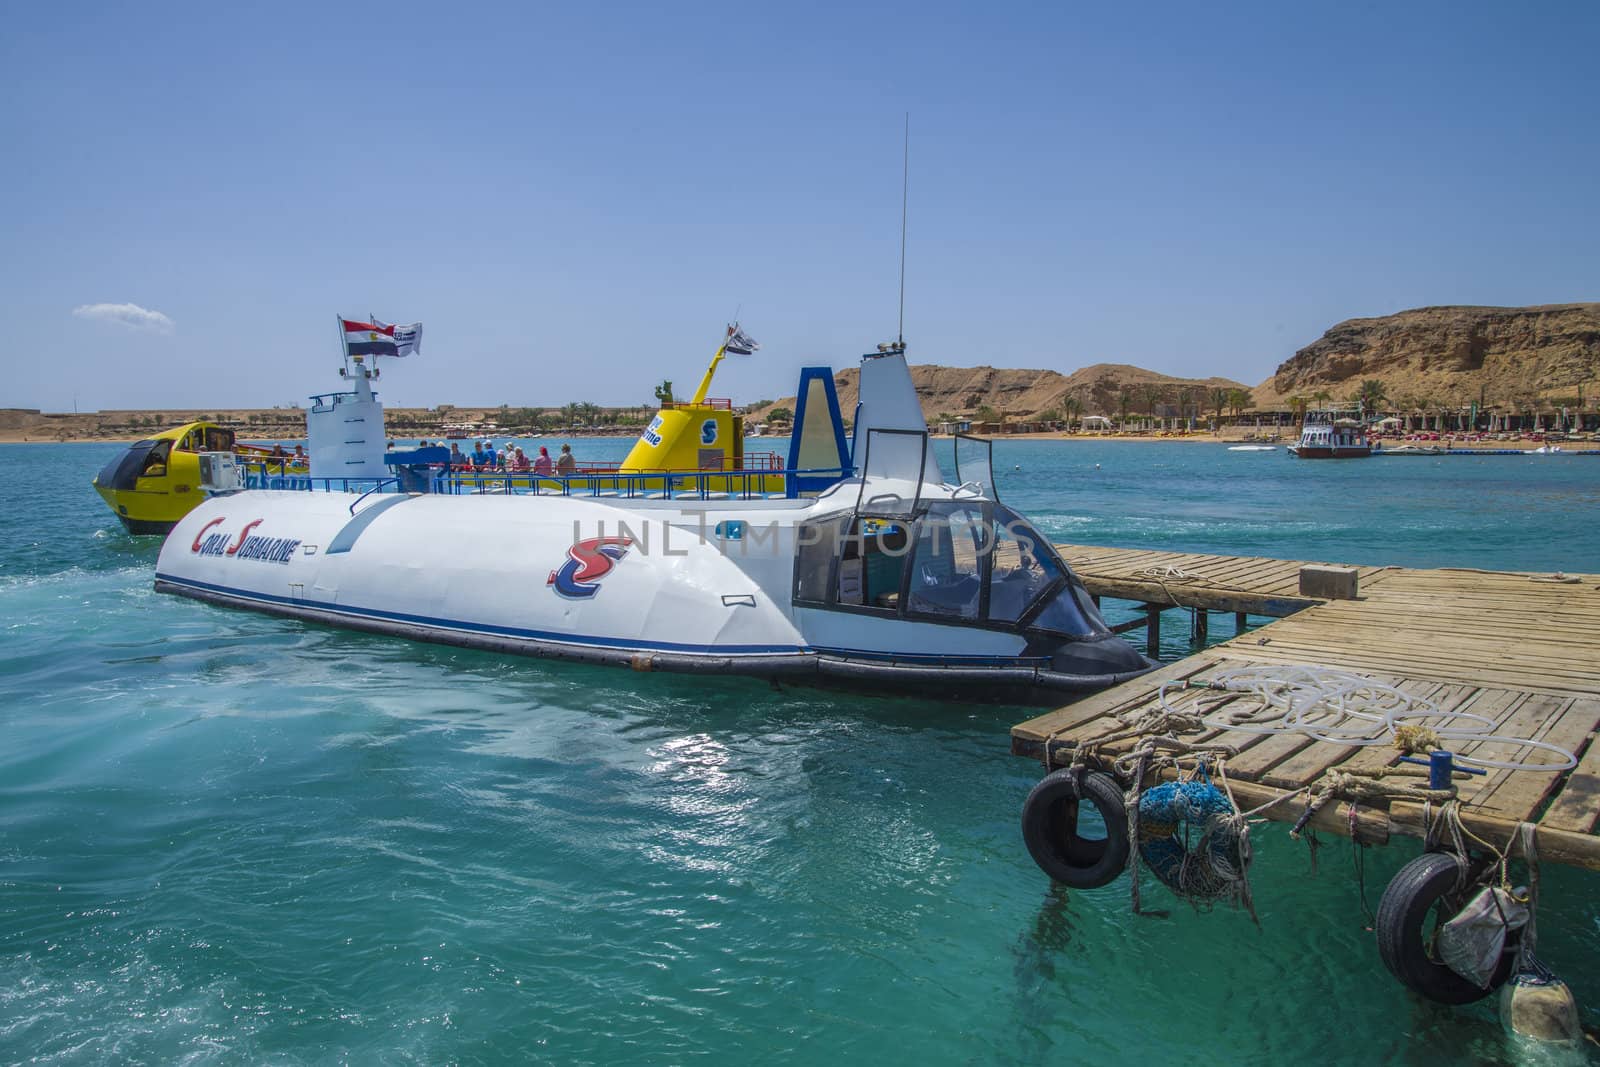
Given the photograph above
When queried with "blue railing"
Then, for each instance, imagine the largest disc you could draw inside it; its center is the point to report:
(256, 479)
(645, 485)
(639, 485)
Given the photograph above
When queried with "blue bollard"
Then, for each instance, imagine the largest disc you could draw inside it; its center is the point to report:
(1440, 765)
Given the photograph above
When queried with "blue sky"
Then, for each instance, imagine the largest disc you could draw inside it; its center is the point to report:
(574, 199)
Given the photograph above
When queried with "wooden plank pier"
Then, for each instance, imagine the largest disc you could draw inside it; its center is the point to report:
(1520, 649)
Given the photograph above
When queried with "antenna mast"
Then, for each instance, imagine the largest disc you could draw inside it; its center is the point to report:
(905, 188)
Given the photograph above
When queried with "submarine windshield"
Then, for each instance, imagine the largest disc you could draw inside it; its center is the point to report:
(985, 563)
(967, 562)
(139, 461)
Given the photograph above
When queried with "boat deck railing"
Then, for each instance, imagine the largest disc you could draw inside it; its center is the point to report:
(661, 484)
(634, 485)
(273, 479)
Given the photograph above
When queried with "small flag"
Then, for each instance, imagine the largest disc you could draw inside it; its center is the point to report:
(368, 339)
(739, 342)
(407, 339)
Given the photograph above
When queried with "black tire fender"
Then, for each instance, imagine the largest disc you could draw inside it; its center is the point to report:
(1405, 943)
(1050, 828)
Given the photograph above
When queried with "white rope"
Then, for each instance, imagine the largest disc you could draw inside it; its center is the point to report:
(1168, 574)
(1346, 709)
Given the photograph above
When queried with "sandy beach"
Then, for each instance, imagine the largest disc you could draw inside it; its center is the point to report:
(22, 426)
(13, 438)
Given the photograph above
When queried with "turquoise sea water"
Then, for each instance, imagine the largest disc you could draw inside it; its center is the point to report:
(231, 838)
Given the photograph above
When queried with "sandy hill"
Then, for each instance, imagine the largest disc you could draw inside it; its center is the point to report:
(1451, 356)
(1027, 394)
(1434, 357)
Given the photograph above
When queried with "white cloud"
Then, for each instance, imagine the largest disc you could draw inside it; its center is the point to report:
(132, 316)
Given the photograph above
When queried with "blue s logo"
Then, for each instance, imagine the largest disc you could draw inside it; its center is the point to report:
(708, 432)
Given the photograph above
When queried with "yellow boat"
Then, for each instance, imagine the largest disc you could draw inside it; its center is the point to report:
(705, 434)
(156, 482)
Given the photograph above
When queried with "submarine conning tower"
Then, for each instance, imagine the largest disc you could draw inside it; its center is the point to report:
(888, 402)
(344, 431)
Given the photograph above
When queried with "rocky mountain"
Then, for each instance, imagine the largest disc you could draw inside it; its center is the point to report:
(1451, 356)
(1027, 394)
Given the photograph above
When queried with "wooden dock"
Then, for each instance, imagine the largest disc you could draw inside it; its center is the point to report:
(1520, 649)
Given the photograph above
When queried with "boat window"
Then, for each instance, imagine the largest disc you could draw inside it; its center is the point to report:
(872, 562)
(947, 567)
(1022, 570)
(817, 545)
(971, 562)
(1032, 584)
(121, 472)
(851, 561)
(155, 464)
(1070, 611)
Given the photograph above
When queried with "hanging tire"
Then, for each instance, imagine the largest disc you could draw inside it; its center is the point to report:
(1420, 899)
(1050, 828)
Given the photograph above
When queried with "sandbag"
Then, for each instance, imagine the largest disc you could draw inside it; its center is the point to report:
(1472, 943)
(1536, 1004)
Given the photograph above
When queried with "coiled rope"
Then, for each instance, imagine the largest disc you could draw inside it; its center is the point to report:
(1320, 703)
(1346, 709)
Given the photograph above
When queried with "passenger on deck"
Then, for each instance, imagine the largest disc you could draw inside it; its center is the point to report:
(565, 464)
(519, 461)
(542, 465)
(480, 458)
(491, 460)
(458, 458)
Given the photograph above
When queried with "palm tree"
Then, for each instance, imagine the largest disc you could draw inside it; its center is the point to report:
(1297, 406)
(1073, 407)
(1124, 399)
(1153, 394)
(1219, 400)
(1239, 399)
(1182, 394)
(1372, 395)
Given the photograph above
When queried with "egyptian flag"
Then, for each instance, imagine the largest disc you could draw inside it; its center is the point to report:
(367, 339)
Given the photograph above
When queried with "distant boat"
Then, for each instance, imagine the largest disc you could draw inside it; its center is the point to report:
(1546, 450)
(1331, 435)
(1410, 450)
(1252, 448)
(154, 483)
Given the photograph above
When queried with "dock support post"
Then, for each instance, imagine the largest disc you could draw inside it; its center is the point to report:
(1152, 630)
(1202, 627)
(1240, 621)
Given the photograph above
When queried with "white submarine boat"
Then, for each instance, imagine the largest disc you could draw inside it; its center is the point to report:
(863, 565)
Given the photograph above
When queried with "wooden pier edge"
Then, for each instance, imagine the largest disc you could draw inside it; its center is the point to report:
(1522, 648)
(1375, 826)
